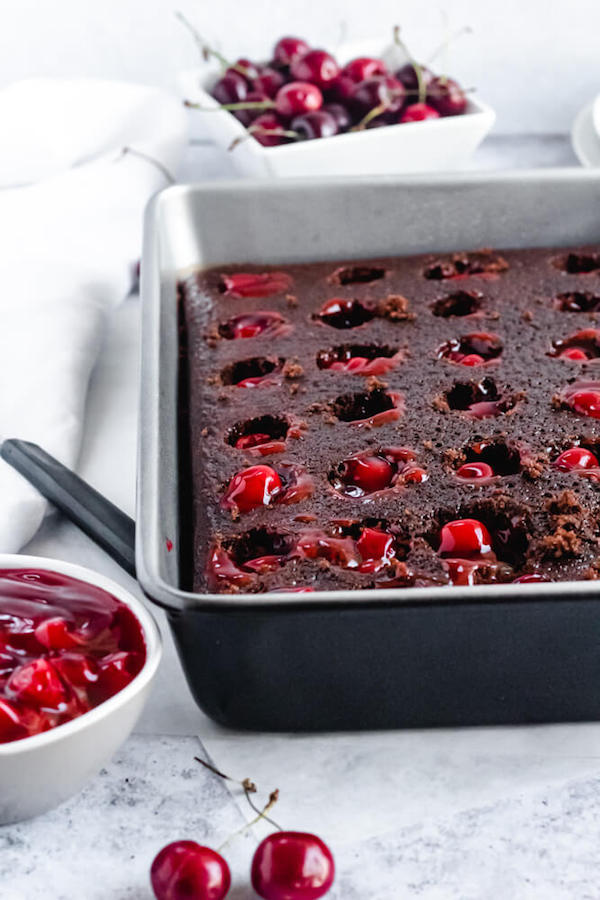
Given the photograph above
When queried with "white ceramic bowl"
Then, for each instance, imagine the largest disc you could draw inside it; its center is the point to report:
(432, 145)
(39, 772)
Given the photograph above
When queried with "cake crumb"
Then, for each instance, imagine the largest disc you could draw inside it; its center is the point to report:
(396, 308)
(291, 300)
(293, 369)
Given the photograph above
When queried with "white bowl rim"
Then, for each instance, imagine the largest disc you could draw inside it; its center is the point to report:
(152, 639)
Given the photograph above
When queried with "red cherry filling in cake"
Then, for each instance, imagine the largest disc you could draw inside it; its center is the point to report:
(257, 371)
(255, 284)
(262, 485)
(65, 647)
(579, 347)
(488, 459)
(577, 301)
(371, 472)
(342, 313)
(578, 263)
(369, 408)
(262, 435)
(461, 265)
(471, 349)
(250, 325)
(459, 304)
(583, 397)
(359, 359)
(357, 274)
(480, 399)
(580, 460)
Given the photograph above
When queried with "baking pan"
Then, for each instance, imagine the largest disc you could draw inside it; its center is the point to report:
(359, 659)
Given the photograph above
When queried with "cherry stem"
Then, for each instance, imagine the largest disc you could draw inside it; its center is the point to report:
(466, 29)
(249, 787)
(147, 158)
(258, 129)
(262, 814)
(422, 87)
(232, 107)
(372, 114)
(205, 51)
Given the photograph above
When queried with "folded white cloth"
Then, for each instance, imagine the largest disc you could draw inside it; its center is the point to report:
(71, 213)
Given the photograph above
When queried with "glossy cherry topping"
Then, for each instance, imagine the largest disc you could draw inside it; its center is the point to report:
(263, 434)
(65, 647)
(460, 303)
(373, 471)
(479, 399)
(475, 471)
(576, 459)
(342, 313)
(255, 284)
(530, 579)
(489, 458)
(579, 347)
(251, 488)
(583, 397)
(577, 301)
(459, 265)
(257, 371)
(359, 359)
(369, 408)
(250, 325)
(471, 349)
(464, 538)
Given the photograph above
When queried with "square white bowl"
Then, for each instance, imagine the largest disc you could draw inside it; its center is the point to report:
(433, 145)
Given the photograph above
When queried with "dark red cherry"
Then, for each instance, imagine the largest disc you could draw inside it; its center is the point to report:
(530, 579)
(255, 284)
(340, 114)
(418, 112)
(575, 353)
(247, 441)
(364, 67)
(250, 325)
(446, 96)
(268, 81)
(116, 670)
(55, 634)
(576, 458)
(38, 684)
(465, 539)
(268, 129)
(231, 88)
(586, 403)
(380, 90)
(316, 66)
(251, 488)
(313, 125)
(367, 473)
(292, 865)
(471, 359)
(248, 116)
(12, 727)
(376, 549)
(246, 68)
(339, 89)
(184, 870)
(342, 313)
(475, 471)
(296, 98)
(408, 77)
(287, 49)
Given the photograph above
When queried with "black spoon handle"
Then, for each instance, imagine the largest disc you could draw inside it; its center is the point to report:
(100, 519)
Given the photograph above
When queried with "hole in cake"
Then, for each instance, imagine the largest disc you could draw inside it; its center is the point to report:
(254, 284)
(372, 407)
(250, 372)
(260, 549)
(373, 471)
(500, 457)
(578, 263)
(357, 275)
(461, 303)
(579, 347)
(257, 432)
(340, 313)
(479, 399)
(471, 349)
(249, 325)
(577, 301)
(358, 359)
(480, 262)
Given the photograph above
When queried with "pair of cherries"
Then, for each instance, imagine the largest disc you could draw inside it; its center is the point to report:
(287, 865)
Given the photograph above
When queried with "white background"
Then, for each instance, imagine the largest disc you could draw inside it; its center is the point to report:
(536, 61)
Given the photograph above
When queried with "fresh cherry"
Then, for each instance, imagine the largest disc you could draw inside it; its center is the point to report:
(269, 130)
(231, 88)
(316, 66)
(464, 538)
(246, 68)
(380, 91)
(288, 49)
(475, 471)
(296, 98)
(255, 284)
(366, 474)
(418, 112)
(407, 75)
(530, 579)
(576, 458)
(364, 67)
(184, 870)
(340, 89)
(313, 125)
(340, 115)
(446, 96)
(251, 488)
(268, 82)
(291, 865)
(248, 116)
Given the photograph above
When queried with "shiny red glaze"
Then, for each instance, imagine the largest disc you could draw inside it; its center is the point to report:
(340, 551)
(221, 568)
(446, 96)
(418, 112)
(292, 865)
(364, 67)
(246, 441)
(296, 98)
(576, 458)
(316, 66)
(340, 312)
(376, 549)
(529, 579)
(475, 471)
(575, 353)
(57, 636)
(414, 475)
(368, 473)
(250, 325)
(586, 403)
(268, 82)
(461, 572)
(251, 488)
(255, 284)
(184, 870)
(292, 590)
(464, 538)
(287, 49)
(471, 359)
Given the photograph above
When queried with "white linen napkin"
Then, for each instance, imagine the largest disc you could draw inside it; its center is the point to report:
(71, 213)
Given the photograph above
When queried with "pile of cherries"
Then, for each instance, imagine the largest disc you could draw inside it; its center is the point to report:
(303, 93)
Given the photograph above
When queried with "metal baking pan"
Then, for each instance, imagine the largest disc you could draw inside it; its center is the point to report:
(363, 659)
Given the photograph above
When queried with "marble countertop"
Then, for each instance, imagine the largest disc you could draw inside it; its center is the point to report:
(497, 813)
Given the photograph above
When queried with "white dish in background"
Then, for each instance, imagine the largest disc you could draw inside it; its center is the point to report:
(596, 115)
(585, 138)
(39, 772)
(433, 145)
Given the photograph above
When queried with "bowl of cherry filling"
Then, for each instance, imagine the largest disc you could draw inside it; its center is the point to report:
(370, 109)
(78, 654)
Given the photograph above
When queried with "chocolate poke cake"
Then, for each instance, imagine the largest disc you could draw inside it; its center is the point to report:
(398, 422)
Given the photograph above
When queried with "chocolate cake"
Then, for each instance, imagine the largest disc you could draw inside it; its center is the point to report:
(397, 422)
